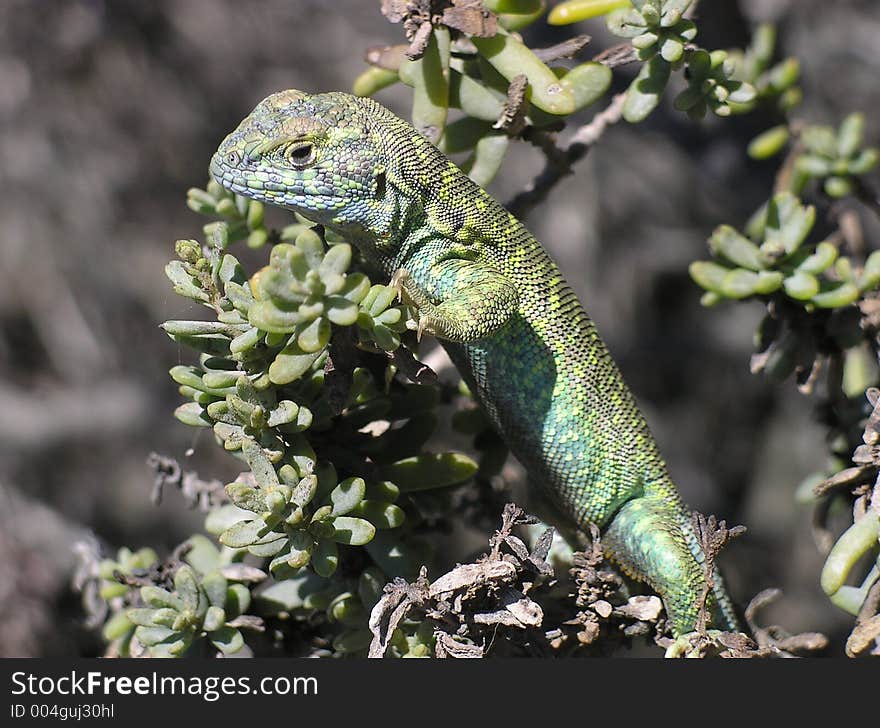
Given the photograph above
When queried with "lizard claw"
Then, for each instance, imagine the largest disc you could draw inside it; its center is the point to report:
(398, 281)
(419, 327)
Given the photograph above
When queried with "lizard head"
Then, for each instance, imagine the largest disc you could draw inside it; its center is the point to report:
(319, 155)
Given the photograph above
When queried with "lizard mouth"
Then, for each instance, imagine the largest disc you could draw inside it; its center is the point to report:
(232, 178)
(272, 189)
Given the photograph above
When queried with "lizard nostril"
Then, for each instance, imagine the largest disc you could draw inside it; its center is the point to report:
(233, 158)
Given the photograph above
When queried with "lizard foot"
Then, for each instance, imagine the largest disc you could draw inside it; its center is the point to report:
(409, 293)
(401, 281)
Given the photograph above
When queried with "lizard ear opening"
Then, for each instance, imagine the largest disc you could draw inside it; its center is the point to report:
(379, 183)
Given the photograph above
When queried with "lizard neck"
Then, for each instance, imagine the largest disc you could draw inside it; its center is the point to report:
(396, 227)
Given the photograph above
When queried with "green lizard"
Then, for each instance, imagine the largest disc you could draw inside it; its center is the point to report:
(485, 287)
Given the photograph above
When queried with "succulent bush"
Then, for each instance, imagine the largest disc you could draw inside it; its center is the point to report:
(307, 370)
(821, 315)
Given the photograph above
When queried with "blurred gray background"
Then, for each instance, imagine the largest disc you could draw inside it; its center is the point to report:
(111, 109)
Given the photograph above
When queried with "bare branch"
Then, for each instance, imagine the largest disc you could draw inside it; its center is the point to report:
(560, 159)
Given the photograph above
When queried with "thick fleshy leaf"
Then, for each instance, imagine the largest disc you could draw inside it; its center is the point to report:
(268, 546)
(186, 584)
(840, 295)
(305, 490)
(430, 471)
(325, 557)
(587, 82)
(850, 135)
(769, 143)
(291, 363)
(352, 531)
(345, 496)
(247, 497)
(224, 517)
(153, 635)
(739, 283)
(193, 414)
(871, 273)
(729, 244)
(215, 617)
(117, 627)
(215, 586)
(227, 639)
(143, 617)
(315, 336)
(184, 284)
(291, 593)
(157, 597)
(801, 286)
(381, 515)
(645, 91)
(243, 533)
(822, 259)
(203, 554)
(238, 599)
(373, 80)
(263, 470)
(352, 641)
(788, 223)
(395, 555)
(301, 546)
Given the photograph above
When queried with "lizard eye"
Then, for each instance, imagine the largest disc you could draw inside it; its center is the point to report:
(300, 155)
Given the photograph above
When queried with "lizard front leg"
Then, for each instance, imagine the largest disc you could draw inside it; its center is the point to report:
(463, 301)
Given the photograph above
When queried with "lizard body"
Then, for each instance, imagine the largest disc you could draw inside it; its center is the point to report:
(487, 289)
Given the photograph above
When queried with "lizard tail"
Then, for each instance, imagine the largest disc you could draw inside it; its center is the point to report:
(654, 541)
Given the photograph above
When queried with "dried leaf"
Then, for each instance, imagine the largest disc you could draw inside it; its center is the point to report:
(469, 575)
(419, 43)
(448, 646)
(566, 49)
(471, 18)
(512, 119)
(865, 635)
(845, 478)
(643, 608)
(527, 612)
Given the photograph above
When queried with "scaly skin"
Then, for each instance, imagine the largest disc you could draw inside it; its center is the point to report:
(487, 289)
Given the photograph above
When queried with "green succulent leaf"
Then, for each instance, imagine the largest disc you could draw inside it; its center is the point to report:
(117, 627)
(157, 597)
(787, 225)
(325, 558)
(425, 472)
(381, 514)
(215, 586)
(820, 260)
(730, 245)
(708, 275)
(227, 639)
(739, 283)
(186, 584)
(645, 91)
(291, 364)
(238, 600)
(769, 143)
(215, 617)
(801, 286)
(870, 277)
(352, 531)
(150, 636)
(243, 533)
(346, 496)
(839, 295)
